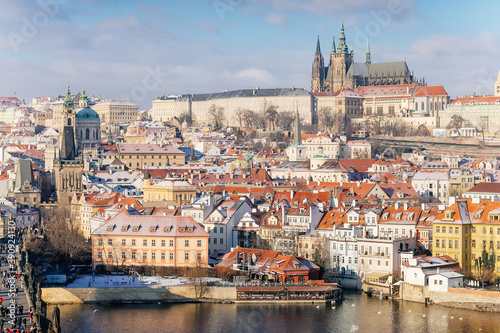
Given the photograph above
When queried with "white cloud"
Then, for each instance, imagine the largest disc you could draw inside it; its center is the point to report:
(276, 19)
(255, 76)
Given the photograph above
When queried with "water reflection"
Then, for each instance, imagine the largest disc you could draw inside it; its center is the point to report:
(357, 313)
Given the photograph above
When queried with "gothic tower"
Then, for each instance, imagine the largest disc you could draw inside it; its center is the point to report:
(340, 61)
(68, 167)
(318, 70)
(368, 60)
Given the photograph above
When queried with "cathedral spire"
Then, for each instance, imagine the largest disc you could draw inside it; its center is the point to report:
(342, 48)
(333, 45)
(297, 136)
(368, 60)
(318, 49)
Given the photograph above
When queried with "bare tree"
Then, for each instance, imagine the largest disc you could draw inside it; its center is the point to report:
(249, 117)
(285, 120)
(196, 276)
(422, 131)
(216, 116)
(456, 123)
(187, 117)
(272, 115)
(239, 116)
(326, 117)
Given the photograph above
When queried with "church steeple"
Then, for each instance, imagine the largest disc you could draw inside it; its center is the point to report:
(333, 46)
(68, 101)
(318, 70)
(342, 48)
(368, 60)
(318, 48)
(83, 99)
(297, 136)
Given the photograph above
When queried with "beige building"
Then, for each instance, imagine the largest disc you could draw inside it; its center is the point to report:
(167, 191)
(149, 240)
(116, 111)
(257, 100)
(140, 156)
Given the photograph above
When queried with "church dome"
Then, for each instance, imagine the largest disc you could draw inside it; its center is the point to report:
(86, 113)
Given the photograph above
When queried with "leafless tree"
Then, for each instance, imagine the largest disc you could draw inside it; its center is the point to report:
(272, 116)
(196, 276)
(456, 123)
(216, 116)
(285, 120)
(422, 131)
(186, 116)
(326, 118)
(239, 116)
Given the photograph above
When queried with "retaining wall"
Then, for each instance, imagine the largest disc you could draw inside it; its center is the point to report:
(132, 294)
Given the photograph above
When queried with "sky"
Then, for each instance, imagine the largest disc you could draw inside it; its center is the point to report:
(139, 50)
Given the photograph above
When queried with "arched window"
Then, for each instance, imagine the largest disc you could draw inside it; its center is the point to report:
(87, 134)
(422, 106)
(93, 134)
(436, 105)
(69, 121)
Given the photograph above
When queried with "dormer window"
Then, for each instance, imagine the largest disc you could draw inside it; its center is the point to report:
(478, 214)
(152, 229)
(449, 214)
(182, 229)
(398, 216)
(190, 229)
(124, 228)
(110, 228)
(135, 228)
(410, 216)
(385, 216)
(167, 228)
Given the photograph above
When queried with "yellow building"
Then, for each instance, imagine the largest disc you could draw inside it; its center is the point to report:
(452, 234)
(116, 111)
(167, 191)
(139, 156)
(465, 229)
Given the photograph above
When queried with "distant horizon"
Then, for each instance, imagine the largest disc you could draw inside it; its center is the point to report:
(144, 49)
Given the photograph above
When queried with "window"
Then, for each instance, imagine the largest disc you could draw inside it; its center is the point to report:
(171, 256)
(456, 244)
(133, 254)
(171, 242)
(456, 230)
(221, 230)
(473, 244)
(162, 242)
(110, 241)
(451, 230)
(153, 255)
(144, 242)
(221, 240)
(186, 255)
(123, 242)
(153, 242)
(198, 256)
(440, 282)
(215, 240)
(198, 243)
(123, 255)
(99, 255)
(473, 229)
(133, 242)
(186, 243)
(99, 241)
(450, 244)
(110, 254)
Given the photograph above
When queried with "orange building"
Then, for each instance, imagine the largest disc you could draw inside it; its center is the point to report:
(132, 238)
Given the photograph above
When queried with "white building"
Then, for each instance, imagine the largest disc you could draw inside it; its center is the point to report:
(432, 185)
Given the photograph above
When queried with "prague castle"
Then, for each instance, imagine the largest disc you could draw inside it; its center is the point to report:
(343, 72)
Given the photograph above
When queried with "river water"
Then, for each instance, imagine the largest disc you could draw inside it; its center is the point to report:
(357, 313)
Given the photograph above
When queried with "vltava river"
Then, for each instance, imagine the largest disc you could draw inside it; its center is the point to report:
(357, 313)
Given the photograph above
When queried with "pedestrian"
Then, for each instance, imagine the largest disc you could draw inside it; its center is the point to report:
(31, 315)
(20, 309)
(24, 323)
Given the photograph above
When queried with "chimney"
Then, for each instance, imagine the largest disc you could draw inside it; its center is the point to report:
(179, 201)
(453, 200)
(291, 194)
(437, 271)
(396, 205)
(405, 206)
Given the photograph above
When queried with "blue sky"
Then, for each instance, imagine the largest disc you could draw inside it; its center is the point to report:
(142, 49)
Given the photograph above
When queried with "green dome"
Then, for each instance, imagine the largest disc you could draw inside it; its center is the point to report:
(86, 113)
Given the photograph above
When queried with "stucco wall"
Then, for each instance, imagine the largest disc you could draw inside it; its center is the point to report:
(132, 294)
(413, 293)
(465, 295)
